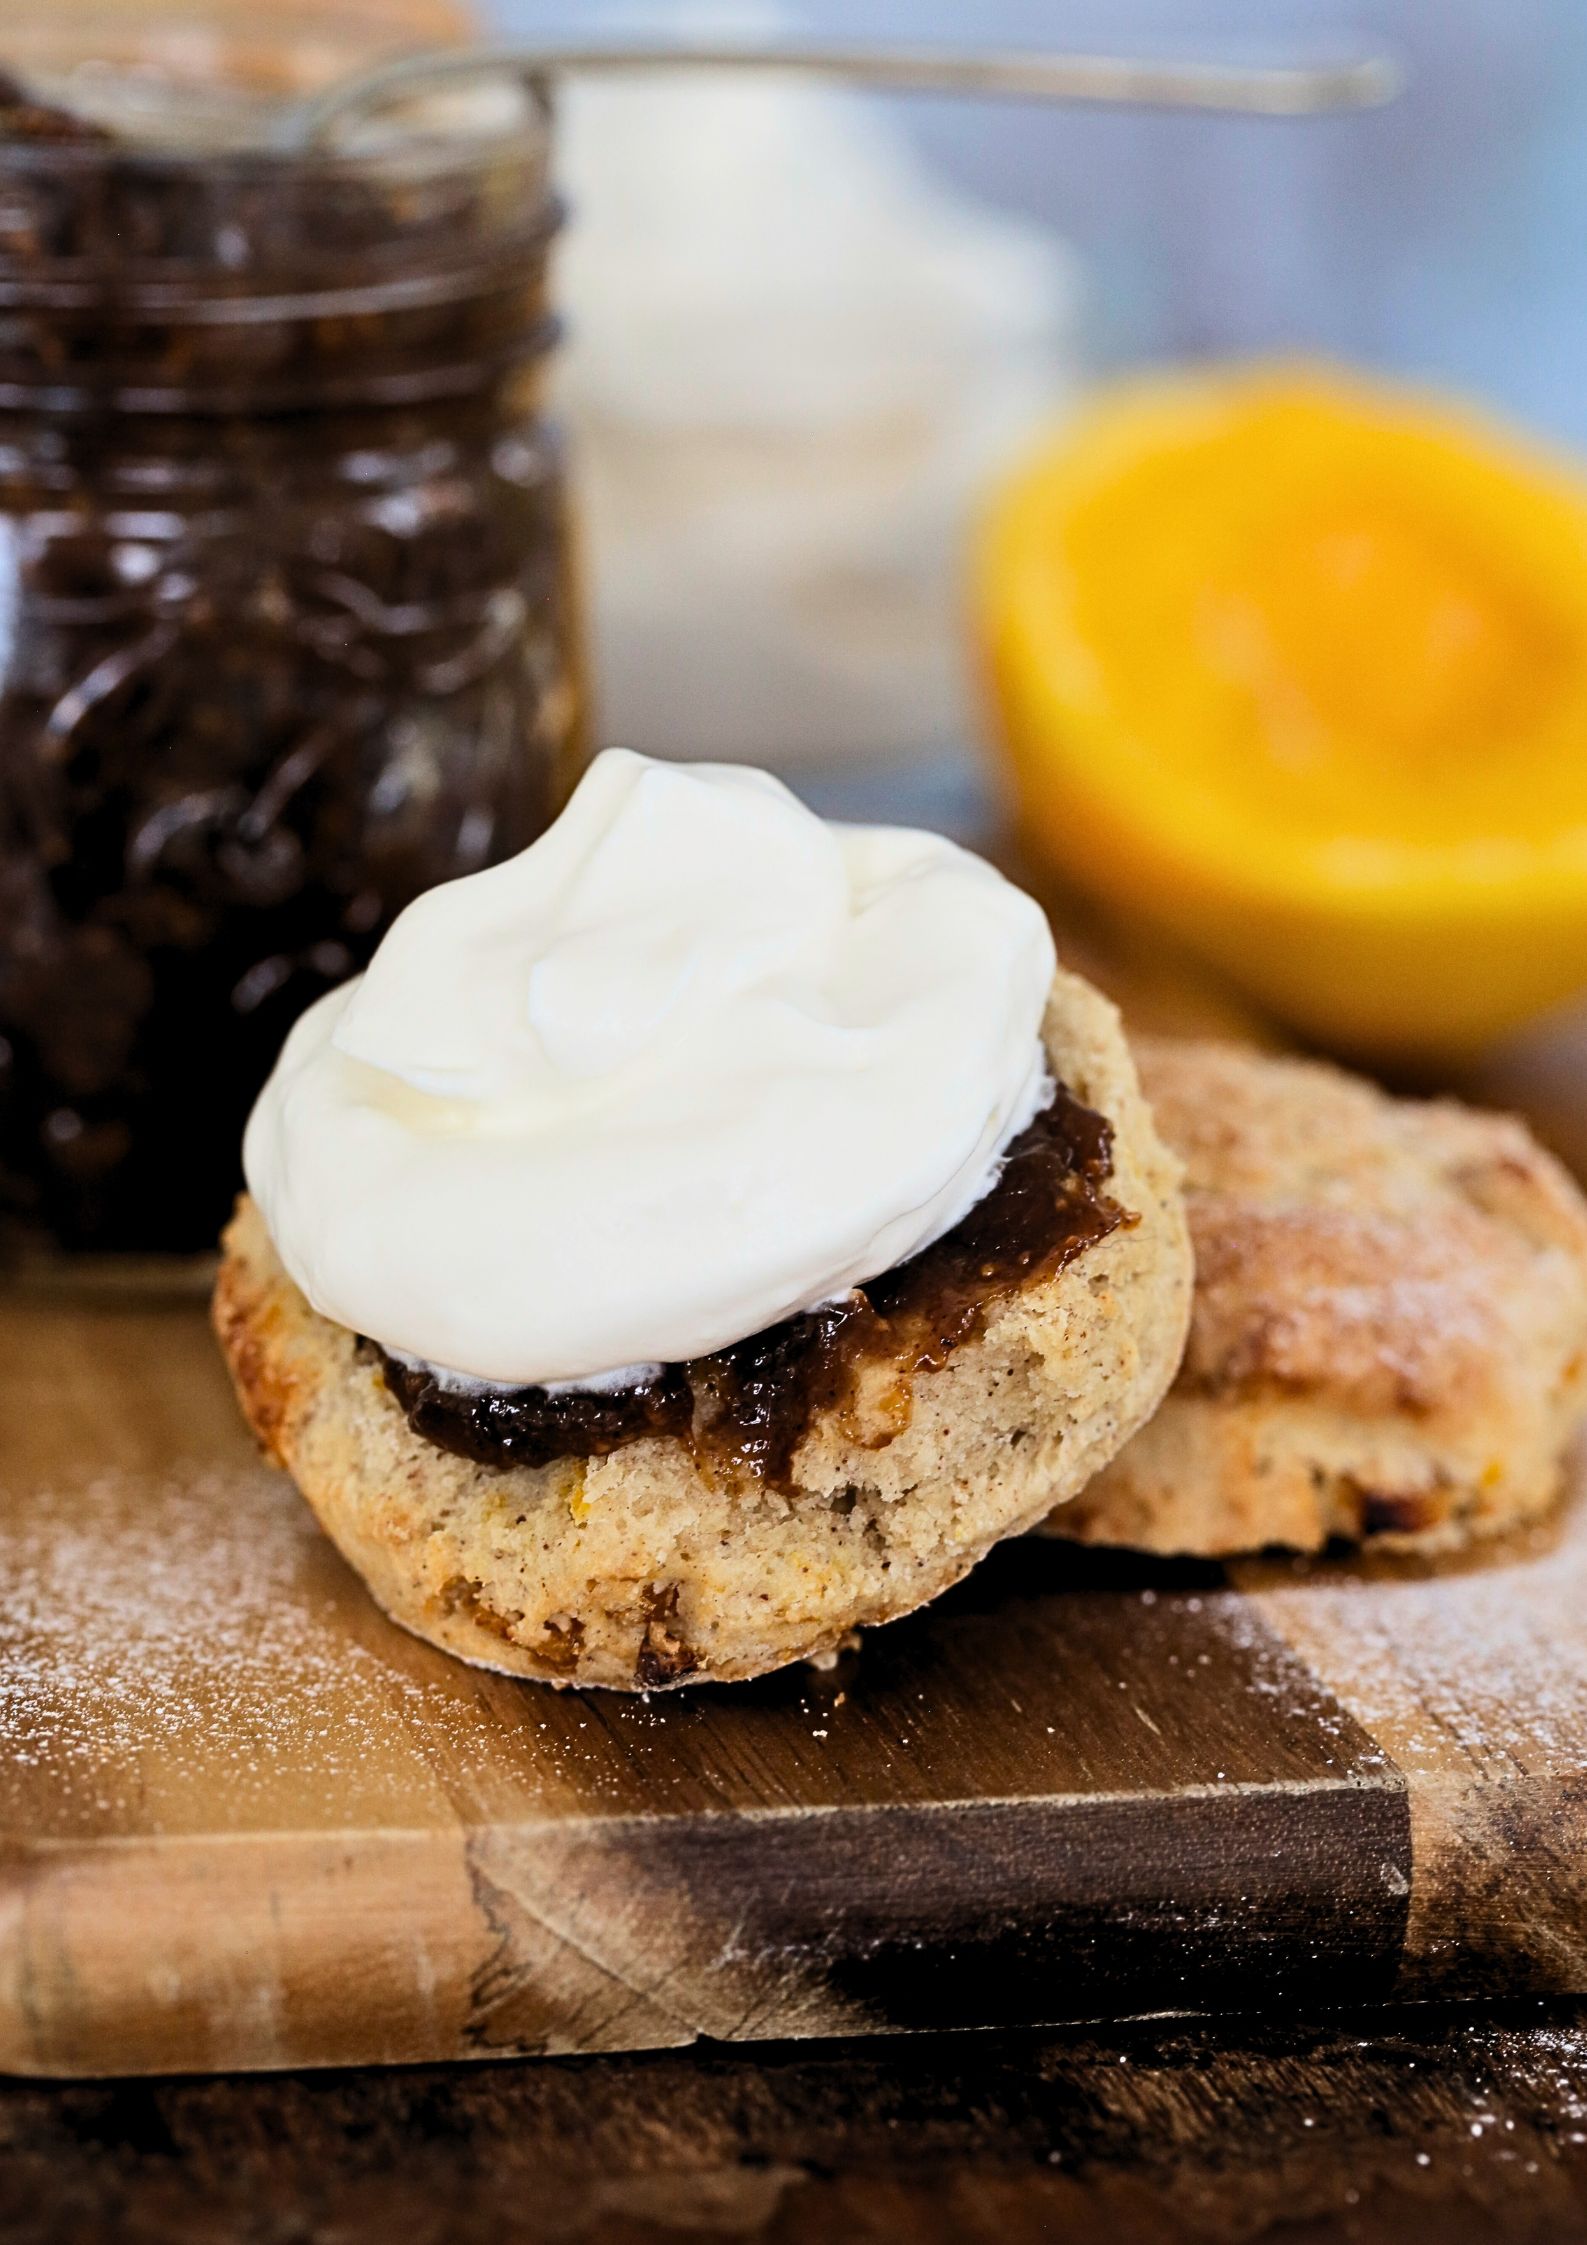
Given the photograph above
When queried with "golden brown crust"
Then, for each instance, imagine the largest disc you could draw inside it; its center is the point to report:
(248, 1315)
(1389, 1335)
(636, 1571)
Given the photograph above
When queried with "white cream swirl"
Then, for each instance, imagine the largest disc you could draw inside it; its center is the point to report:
(692, 1062)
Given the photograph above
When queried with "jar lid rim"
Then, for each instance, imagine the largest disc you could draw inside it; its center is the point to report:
(139, 117)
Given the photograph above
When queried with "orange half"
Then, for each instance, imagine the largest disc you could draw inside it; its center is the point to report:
(1296, 666)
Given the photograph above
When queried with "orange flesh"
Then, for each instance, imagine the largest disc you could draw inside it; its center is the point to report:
(1320, 631)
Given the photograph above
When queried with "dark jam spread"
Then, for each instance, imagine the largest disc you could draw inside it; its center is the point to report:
(285, 633)
(746, 1409)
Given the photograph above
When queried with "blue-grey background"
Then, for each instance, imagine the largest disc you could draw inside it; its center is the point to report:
(1444, 237)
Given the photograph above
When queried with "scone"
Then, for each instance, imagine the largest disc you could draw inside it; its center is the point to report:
(1389, 1332)
(662, 1563)
(699, 1236)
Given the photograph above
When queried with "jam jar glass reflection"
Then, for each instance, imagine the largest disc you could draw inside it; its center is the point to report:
(286, 633)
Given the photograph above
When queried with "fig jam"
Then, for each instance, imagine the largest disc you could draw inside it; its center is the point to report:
(286, 632)
(746, 1409)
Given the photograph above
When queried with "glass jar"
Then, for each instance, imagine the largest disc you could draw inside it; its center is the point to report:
(286, 625)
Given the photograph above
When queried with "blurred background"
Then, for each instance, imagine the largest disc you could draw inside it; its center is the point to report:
(808, 331)
(1443, 237)
(1185, 508)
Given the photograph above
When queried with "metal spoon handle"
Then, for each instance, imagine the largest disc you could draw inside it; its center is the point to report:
(1299, 89)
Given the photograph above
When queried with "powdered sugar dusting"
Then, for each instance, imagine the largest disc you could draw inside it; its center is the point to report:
(1483, 1659)
(190, 1653)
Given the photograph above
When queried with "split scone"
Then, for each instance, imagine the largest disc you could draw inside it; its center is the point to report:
(1389, 1335)
(699, 1236)
(850, 1478)
(851, 1483)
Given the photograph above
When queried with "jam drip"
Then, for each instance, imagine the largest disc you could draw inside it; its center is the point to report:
(745, 1410)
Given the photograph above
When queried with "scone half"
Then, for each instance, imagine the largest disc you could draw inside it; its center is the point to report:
(642, 1569)
(1389, 1335)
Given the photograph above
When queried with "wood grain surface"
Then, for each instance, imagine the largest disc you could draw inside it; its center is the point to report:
(248, 1823)
(1462, 2126)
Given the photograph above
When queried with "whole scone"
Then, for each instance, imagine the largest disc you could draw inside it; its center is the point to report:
(639, 1570)
(1389, 1334)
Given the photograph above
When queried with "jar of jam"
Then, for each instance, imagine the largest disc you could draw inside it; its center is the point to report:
(286, 628)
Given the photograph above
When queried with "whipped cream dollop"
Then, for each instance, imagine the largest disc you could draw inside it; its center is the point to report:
(695, 1060)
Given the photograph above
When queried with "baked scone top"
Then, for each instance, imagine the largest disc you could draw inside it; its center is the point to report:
(1379, 1253)
(1389, 1334)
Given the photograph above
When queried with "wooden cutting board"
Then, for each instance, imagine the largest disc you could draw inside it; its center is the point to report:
(246, 1822)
